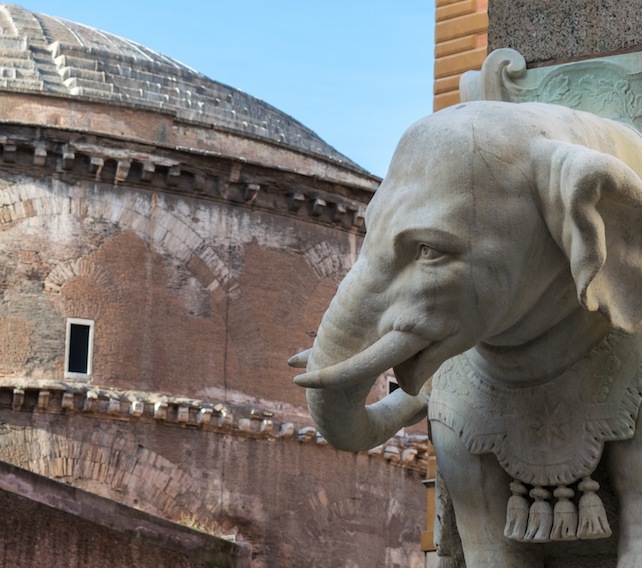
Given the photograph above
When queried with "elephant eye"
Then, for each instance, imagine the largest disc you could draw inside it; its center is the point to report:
(428, 253)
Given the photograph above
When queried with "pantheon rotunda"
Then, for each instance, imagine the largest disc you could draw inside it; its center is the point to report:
(167, 242)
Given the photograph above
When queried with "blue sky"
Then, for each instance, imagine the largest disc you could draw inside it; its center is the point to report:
(357, 72)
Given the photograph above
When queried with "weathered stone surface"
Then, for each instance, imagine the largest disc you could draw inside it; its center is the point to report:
(226, 277)
(501, 264)
(200, 234)
(271, 496)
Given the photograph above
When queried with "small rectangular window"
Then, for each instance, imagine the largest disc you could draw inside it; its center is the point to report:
(78, 348)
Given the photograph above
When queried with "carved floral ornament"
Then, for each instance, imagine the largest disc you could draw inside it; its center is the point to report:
(608, 87)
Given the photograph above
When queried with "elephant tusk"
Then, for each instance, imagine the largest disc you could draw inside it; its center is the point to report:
(392, 349)
(300, 360)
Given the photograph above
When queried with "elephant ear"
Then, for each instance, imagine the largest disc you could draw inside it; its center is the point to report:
(592, 204)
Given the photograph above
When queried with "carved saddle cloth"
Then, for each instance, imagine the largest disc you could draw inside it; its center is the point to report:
(551, 433)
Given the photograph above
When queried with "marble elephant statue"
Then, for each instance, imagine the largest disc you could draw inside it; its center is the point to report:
(502, 258)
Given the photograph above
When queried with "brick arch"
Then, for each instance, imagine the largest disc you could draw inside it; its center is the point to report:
(325, 261)
(114, 466)
(81, 267)
(150, 217)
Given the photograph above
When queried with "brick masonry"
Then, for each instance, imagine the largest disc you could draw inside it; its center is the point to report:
(48, 523)
(204, 233)
(244, 474)
(203, 273)
(211, 269)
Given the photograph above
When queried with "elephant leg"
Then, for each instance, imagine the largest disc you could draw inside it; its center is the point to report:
(624, 460)
(479, 489)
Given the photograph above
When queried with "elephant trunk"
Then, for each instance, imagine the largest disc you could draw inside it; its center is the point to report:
(343, 365)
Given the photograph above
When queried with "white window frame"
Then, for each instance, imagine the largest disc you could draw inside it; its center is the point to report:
(90, 348)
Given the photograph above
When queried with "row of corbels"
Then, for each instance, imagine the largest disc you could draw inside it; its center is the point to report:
(196, 414)
(162, 410)
(395, 454)
(175, 175)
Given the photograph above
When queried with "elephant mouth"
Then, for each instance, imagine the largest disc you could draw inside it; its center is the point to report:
(397, 349)
(410, 374)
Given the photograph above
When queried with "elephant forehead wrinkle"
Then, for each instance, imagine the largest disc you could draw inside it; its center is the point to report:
(439, 211)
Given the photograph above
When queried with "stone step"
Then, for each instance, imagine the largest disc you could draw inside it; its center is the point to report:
(87, 74)
(90, 92)
(76, 62)
(21, 84)
(18, 44)
(84, 84)
(18, 73)
(156, 97)
(135, 74)
(22, 63)
(14, 53)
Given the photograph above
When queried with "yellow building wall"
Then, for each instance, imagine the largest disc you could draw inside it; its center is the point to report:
(461, 40)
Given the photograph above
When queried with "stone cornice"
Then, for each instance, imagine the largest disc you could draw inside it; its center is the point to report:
(73, 157)
(54, 58)
(73, 398)
(166, 129)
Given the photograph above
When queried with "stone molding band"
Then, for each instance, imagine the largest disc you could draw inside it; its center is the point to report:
(71, 157)
(73, 398)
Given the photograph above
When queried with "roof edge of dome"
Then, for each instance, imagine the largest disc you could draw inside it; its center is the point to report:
(66, 59)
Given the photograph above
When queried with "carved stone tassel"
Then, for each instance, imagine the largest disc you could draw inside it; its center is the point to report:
(516, 512)
(564, 515)
(593, 522)
(540, 516)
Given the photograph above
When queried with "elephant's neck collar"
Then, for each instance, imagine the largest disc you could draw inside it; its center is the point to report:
(519, 374)
(551, 433)
(570, 343)
(548, 435)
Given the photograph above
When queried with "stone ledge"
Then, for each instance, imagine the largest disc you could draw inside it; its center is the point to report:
(231, 180)
(163, 128)
(134, 523)
(74, 398)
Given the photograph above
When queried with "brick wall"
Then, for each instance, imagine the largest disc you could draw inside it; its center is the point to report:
(47, 523)
(461, 38)
(294, 501)
(202, 274)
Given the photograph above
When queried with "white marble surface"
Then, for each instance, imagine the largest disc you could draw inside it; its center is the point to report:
(505, 241)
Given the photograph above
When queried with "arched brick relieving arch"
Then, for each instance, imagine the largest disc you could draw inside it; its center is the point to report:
(325, 261)
(167, 231)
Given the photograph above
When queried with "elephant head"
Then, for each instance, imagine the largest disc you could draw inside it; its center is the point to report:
(495, 224)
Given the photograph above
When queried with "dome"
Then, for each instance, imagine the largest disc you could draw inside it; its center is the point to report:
(52, 56)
